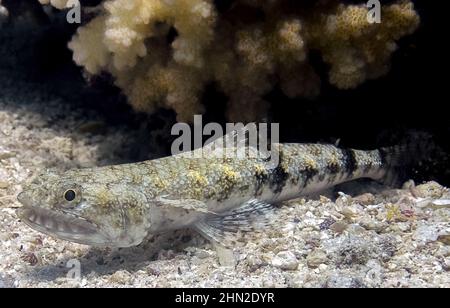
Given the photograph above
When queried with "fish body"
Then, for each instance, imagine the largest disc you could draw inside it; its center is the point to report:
(222, 184)
(120, 205)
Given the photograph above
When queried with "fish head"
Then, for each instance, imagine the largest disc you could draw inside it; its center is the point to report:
(86, 206)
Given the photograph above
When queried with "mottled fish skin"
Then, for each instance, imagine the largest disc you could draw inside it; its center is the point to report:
(126, 203)
(226, 182)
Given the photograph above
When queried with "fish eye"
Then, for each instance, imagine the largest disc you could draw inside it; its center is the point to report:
(70, 195)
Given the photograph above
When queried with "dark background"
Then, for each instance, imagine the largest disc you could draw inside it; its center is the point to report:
(412, 97)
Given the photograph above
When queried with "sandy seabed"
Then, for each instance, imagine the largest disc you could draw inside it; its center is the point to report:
(369, 236)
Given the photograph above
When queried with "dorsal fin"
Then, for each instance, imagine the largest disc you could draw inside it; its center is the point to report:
(241, 142)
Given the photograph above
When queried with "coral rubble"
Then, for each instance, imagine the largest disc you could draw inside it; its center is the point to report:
(163, 53)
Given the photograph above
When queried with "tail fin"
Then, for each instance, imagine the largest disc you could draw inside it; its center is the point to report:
(400, 160)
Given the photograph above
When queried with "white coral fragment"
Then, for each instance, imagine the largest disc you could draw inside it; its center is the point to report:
(3, 13)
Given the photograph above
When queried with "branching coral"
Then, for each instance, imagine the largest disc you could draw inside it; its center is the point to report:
(356, 49)
(129, 41)
(162, 53)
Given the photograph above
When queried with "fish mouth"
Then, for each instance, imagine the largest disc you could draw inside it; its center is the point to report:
(62, 225)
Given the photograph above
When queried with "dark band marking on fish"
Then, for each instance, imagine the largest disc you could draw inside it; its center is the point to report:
(309, 175)
(349, 160)
(278, 176)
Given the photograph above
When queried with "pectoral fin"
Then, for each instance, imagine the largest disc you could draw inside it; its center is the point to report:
(171, 212)
(224, 228)
(240, 142)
